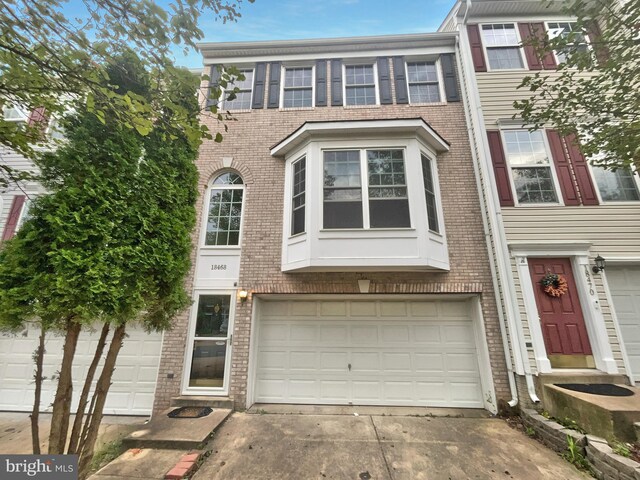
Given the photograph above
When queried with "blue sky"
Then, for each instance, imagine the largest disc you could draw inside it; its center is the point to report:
(297, 19)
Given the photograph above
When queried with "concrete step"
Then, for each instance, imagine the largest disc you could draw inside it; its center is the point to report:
(582, 377)
(201, 401)
(176, 433)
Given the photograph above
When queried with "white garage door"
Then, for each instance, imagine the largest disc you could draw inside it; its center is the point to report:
(134, 378)
(367, 353)
(624, 283)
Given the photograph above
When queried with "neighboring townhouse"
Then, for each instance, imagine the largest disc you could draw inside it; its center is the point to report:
(548, 210)
(134, 378)
(340, 249)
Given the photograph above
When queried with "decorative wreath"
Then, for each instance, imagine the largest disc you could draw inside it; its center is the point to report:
(554, 285)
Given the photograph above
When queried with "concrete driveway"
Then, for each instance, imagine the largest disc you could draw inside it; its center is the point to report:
(301, 447)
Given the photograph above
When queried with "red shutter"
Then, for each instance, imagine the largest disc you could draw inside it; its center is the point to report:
(477, 54)
(549, 59)
(581, 169)
(563, 169)
(500, 168)
(530, 53)
(14, 217)
(595, 38)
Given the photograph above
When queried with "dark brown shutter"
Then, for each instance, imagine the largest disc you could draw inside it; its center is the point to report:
(563, 169)
(214, 76)
(14, 217)
(384, 81)
(274, 85)
(595, 38)
(500, 168)
(400, 80)
(449, 75)
(549, 59)
(336, 82)
(581, 170)
(259, 79)
(321, 83)
(527, 36)
(475, 42)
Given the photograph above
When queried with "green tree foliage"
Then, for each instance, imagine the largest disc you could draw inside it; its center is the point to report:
(50, 60)
(596, 91)
(110, 244)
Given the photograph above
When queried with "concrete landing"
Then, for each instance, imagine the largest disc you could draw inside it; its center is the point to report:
(608, 417)
(176, 433)
(143, 464)
(290, 409)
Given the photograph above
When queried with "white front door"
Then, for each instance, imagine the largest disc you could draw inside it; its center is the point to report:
(369, 352)
(209, 351)
(624, 284)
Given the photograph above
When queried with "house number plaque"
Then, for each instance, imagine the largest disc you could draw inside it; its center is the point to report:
(589, 280)
(219, 266)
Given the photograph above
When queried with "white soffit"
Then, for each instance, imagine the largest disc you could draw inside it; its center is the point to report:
(353, 128)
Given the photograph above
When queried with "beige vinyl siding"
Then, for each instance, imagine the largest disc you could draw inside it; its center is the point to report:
(17, 162)
(613, 231)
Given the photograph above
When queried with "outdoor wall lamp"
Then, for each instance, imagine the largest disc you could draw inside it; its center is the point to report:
(243, 294)
(600, 264)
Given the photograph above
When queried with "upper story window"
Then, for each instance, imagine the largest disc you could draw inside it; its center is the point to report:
(531, 168)
(566, 29)
(297, 88)
(360, 85)
(430, 193)
(225, 210)
(14, 114)
(298, 199)
(377, 199)
(503, 46)
(616, 186)
(242, 100)
(424, 85)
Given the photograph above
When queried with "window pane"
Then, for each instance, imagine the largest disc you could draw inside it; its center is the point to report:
(424, 93)
(298, 197)
(361, 95)
(430, 194)
(504, 58)
(525, 148)
(247, 83)
(241, 102)
(422, 72)
(618, 186)
(228, 178)
(359, 75)
(223, 223)
(342, 190)
(389, 213)
(499, 34)
(297, 98)
(213, 316)
(534, 185)
(297, 77)
(208, 363)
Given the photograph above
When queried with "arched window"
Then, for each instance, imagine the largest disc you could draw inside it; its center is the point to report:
(225, 210)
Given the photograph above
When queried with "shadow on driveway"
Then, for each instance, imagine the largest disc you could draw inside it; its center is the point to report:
(297, 447)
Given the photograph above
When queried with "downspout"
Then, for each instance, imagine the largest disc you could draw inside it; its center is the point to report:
(520, 353)
(505, 343)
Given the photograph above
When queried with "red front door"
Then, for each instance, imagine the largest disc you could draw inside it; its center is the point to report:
(563, 327)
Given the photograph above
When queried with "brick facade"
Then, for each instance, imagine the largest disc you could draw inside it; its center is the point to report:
(248, 142)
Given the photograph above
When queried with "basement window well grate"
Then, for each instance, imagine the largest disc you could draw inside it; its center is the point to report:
(190, 412)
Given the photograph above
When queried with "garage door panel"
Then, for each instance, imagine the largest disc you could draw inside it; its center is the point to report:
(624, 285)
(133, 380)
(394, 360)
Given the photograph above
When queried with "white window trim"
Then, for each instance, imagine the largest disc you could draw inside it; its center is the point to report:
(283, 69)
(306, 193)
(222, 101)
(364, 187)
(205, 212)
(552, 166)
(546, 31)
(191, 335)
(436, 190)
(346, 64)
(441, 89)
(24, 116)
(525, 64)
(636, 180)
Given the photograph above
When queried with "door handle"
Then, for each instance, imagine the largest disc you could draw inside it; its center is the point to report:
(349, 366)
